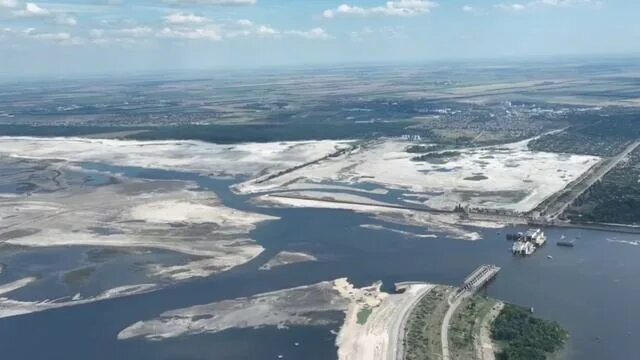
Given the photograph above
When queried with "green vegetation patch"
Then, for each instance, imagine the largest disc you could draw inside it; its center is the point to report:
(592, 134)
(437, 157)
(525, 337)
(420, 149)
(422, 334)
(476, 178)
(363, 315)
(613, 199)
(466, 324)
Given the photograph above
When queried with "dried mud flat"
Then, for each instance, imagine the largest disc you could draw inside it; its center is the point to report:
(159, 215)
(305, 305)
(372, 329)
(48, 199)
(509, 177)
(209, 159)
(63, 205)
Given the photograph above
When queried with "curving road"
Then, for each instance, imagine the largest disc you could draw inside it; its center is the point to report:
(444, 330)
(473, 282)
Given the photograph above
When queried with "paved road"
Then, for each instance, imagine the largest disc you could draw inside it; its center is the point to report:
(484, 345)
(568, 196)
(444, 329)
(476, 280)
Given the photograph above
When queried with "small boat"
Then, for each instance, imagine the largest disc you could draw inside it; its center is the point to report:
(281, 356)
(296, 344)
(549, 257)
(565, 243)
(531, 309)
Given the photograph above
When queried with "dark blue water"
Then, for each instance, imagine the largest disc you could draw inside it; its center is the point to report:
(591, 289)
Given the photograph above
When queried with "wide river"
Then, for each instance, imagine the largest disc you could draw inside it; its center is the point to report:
(591, 289)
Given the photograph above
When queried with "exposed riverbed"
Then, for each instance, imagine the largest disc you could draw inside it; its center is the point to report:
(590, 289)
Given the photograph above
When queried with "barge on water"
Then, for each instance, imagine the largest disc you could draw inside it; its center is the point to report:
(527, 243)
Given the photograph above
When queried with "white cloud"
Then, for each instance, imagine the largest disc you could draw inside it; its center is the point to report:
(62, 38)
(180, 18)
(211, 32)
(390, 32)
(66, 20)
(538, 4)
(6, 32)
(143, 34)
(32, 10)
(59, 36)
(313, 34)
(265, 30)
(213, 2)
(391, 8)
(564, 3)
(8, 4)
(182, 27)
(475, 10)
(106, 37)
(247, 28)
(245, 23)
(136, 32)
(511, 7)
(359, 35)
(96, 33)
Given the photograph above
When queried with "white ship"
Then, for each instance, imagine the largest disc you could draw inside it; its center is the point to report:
(536, 236)
(523, 248)
(528, 242)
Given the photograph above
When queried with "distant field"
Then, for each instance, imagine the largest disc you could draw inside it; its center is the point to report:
(225, 134)
(456, 105)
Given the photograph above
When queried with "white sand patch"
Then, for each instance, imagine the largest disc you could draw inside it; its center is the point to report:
(193, 208)
(508, 177)
(331, 196)
(7, 288)
(9, 307)
(173, 211)
(192, 156)
(378, 338)
(315, 203)
(242, 252)
(286, 258)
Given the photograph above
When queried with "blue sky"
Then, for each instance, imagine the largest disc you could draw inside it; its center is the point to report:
(60, 37)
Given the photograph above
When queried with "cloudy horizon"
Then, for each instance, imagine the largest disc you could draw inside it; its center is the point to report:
(104, 36)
